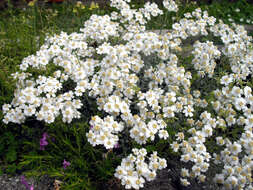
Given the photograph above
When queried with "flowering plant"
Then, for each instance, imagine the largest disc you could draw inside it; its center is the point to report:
(141, 86)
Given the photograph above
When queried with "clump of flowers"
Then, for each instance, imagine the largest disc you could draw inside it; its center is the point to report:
(141, 86)
(104, 132)
(133, 170)
(204, 57)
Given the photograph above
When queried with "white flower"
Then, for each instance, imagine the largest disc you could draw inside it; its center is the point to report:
(240, 103)
(207, 130)
(230, 120)
(226, 80)
(232, 180)
(219, 178)
(180, 136)
(29, 110)
(175, 146)
(247, 91)
(229, 170)
(163, 134)
(196, 170)
(6, 108)
(170, 5)
(184, 182)
(231, 20)
(220, 141)
(185, 157)
(169, 111)
(196, 93)
(184, 172)
(108, 107)
(188, 111)
(49, 118)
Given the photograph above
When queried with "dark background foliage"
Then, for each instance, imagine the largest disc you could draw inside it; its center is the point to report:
(5, 3)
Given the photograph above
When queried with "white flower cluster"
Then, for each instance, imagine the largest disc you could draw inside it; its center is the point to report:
(193, 149)
(103, 131)
(100, 28)
(141, 132)
(134, 170)
(193, 24)
(29, 101)
(150, 9)
(134, 20)
(237, 47)
(140, 85)
(170, 5)
(237, 156)
(204, 57)
(237, 171)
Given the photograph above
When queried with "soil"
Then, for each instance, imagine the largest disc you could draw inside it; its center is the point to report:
(14, 183)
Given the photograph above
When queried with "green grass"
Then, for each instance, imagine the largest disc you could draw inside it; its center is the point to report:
(22, 32)
(224, 10)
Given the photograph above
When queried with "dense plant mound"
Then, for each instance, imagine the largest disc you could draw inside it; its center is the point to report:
(146, 89)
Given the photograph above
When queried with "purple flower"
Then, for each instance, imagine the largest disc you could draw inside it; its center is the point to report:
(24, 182)
(43, 141)
(116, 145)
(65, 164)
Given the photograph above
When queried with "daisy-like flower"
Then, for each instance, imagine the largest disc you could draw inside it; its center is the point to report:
(247, 91)
(219, 178)
(184, 172)
(226, 80)
(163, 134)
(220, 141)
(188, 111)
(232, 180)
(207, 130)
(175, 146)
(230, 120)
(184, 182)
(240, 103)
(235, 148)
(236, 91)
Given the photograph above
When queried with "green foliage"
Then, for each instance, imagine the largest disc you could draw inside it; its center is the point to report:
(8, 147)
(89, 167)
(9, 150)
(226, 11)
